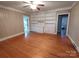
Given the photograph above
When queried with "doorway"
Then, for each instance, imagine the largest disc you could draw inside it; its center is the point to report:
(26, 25)
(62, 24)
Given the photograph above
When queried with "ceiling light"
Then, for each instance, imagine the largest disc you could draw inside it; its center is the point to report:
(33, 6)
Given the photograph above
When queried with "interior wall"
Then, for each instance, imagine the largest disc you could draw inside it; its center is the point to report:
(74, 24)
(11, 22)
(41, 20)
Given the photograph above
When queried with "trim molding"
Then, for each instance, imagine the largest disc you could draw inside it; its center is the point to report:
(66, 8)
(5, 38)
(13, 9)
(74, 4)
(61, 13)
(77, 48)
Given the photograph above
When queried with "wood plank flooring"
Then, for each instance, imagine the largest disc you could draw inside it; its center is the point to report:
(37, 45)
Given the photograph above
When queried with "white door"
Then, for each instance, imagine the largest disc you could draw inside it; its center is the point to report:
(37, 27)
(44, 27)
(49, 27)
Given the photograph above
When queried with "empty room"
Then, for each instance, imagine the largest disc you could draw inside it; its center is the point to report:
(39, 29)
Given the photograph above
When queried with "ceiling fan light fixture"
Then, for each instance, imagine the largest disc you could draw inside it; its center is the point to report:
(33, 6)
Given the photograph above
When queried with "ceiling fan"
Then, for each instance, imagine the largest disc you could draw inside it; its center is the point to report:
(34, 5)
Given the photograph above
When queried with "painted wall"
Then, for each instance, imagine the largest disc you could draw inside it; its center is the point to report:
(74, 24)
(11, 22)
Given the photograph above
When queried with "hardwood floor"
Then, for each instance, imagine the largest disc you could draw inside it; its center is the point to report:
(37, 45)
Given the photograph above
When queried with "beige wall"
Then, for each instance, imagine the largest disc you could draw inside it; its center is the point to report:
(74, 24)
(11, 22)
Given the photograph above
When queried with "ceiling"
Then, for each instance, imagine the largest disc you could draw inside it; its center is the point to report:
(48, 5)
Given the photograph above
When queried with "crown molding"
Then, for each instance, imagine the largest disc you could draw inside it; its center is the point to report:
(66, 8)
(12, 9)
(74, 4)
(55, 10)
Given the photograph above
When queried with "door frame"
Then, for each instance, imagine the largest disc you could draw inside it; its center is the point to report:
(67, 21)
(27, 22)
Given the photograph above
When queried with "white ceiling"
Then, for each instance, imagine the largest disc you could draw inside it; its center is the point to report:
(48, 5)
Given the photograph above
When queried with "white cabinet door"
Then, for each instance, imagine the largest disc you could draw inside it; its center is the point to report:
(38, 27)
(44, 28)
(49, 28)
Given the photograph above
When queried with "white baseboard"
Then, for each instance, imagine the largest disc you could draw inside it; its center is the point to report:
(77, 48)
(5, 38)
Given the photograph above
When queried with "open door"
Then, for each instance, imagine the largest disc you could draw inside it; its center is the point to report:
(26, 25)
(62, 25)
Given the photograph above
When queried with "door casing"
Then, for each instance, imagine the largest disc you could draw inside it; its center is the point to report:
(67, 21)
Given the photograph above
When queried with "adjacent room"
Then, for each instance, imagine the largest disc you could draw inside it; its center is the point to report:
(39, 29)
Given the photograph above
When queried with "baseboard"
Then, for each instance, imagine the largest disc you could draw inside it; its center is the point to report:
(5, 38)
(77, 48)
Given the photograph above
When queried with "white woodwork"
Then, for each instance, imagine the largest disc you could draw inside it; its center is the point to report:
(49, 28)
(44, 22)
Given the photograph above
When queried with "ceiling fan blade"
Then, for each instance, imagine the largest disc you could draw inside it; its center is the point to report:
(26, 2)
(38, 8)
(26, 6)
(40, 4)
